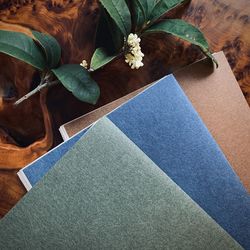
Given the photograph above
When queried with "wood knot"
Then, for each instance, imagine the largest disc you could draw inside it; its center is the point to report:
(232, 49)
(245, 19)
(14, 5)
(200, 13)
(58, 3)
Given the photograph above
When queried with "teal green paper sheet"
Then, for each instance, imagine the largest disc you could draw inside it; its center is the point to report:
(105, 193)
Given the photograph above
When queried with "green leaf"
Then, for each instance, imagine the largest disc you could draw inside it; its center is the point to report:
(139, 14)
(147, 11)
(22, 47)
(161, 7)
(105, 36)
(50, 47)
(100, 58)
(185, 31)
(141, 11)
(119, 11)
(77, 80)
(114, 32)
(146, 7)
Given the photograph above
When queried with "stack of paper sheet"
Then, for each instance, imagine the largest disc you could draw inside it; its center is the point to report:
(147, 175)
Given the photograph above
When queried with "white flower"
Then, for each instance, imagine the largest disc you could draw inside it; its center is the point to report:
(84, 64)
(135, 56)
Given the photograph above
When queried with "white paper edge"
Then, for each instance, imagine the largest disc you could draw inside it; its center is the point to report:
(24, 180)
(64, 133)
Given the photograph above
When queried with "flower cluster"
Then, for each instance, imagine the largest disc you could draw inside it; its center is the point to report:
(134, 56)
(84, 64)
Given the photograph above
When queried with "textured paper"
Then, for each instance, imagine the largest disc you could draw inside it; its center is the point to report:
(219, 101)
(107, 194)
(217, 97)
(163, 123)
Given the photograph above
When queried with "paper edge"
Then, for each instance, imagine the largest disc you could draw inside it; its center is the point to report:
(63, 133)
(23, 178)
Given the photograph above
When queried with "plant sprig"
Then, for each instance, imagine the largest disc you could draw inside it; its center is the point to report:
(148, 19)
(43, 52)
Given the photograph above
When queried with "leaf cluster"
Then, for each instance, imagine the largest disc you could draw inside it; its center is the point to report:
(43, 52)
(118, 19)
(144, 17)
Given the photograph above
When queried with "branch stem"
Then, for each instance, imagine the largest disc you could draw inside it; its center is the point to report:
(36, 90)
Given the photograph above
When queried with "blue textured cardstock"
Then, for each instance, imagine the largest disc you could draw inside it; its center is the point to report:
(162, 122)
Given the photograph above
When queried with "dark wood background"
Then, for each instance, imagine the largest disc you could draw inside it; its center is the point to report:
(31, 129)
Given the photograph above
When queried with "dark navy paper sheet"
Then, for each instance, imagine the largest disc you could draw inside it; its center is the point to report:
(163, 123)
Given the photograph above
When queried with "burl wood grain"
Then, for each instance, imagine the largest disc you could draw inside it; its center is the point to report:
(30, 130)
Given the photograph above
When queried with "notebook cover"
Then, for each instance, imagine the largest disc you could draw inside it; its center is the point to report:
(106, 193)
(163, 123)
(217, 97)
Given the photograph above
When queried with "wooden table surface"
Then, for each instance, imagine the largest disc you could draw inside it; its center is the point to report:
(31, 130)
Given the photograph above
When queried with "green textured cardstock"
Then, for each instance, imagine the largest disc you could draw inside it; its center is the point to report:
(105, 193)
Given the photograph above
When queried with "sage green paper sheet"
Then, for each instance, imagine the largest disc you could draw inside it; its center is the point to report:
(107, 194)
